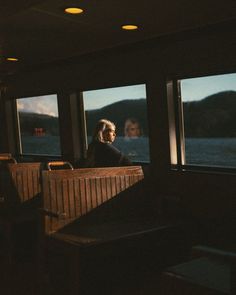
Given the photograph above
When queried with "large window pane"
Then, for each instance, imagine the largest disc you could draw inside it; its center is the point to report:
(126, 107)
(39, 125)
(209, 111)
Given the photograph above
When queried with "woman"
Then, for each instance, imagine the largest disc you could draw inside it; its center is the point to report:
(132, 128)
(101, 152)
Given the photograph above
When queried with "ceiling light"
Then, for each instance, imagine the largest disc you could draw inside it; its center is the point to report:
(129, 27)
(73, 10)
(12, 59)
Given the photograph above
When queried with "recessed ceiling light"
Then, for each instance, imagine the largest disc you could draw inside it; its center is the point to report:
(12, 58)
(129, 27)
(73, 10)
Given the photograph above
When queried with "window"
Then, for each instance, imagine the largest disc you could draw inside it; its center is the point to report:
(38, 125)
(126, 107)
(209, 120)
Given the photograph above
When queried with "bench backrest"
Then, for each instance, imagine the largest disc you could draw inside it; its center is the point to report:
(70, 194)
(20, 183)
(7, 158)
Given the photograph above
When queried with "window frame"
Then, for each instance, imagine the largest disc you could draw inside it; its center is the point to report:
(84, 125)
(19, 147)
(175, 106)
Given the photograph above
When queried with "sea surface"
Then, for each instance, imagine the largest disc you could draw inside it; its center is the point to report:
(201, 151)
(211, 151)
(41, 145)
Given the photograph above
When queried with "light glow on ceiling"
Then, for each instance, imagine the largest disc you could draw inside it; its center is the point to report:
(73, 10)
(12, 59)
(129, 27)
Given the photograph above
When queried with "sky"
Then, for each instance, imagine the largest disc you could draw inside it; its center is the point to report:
(92, 99)
(191, 89)
(199, 88)
(95, 99)
(46, 104)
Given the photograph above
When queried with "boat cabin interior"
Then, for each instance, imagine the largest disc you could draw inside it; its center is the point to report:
(165, 73)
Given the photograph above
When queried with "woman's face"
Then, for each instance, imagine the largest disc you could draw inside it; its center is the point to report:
(109, 135)
(133, 130)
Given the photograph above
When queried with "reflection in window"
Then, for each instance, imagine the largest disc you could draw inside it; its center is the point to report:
(126, 107)
(39, 125)
(209, 111)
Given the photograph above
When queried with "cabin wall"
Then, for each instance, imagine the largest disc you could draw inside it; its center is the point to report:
(3, 141)
(8, 130)
(205, 51)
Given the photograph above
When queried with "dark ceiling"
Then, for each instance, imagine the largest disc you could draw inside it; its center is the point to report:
(38, 31)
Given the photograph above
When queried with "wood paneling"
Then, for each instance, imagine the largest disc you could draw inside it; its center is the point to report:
(19, 184)
(69, 194)
(23, 182)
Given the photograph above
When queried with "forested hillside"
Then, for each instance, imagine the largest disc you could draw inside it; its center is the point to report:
(214, 116)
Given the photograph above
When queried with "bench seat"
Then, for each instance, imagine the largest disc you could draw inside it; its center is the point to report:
(101, 257)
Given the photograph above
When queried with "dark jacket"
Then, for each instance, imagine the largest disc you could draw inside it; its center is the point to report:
(105, 155)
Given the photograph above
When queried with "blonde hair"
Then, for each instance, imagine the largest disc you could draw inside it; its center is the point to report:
(102, 126)
(129, 123)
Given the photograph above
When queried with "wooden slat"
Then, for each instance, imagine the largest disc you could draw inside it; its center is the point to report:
(88, 194)
(118, 182)
(113, 186)
(83, 196)
(71, 198)
(25, 185)
(30, 183)
(18, 184)
(62, 198)
(93, 193)
(76, 200)
(98, 191)
(103, 190)
(127, 177)
(122, 183)
(108, 187)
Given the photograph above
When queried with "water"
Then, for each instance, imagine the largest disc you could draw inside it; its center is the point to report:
(136, 149)
(219, 152)
(41, 145)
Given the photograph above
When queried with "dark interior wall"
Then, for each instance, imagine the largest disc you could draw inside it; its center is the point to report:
(184, 54)
(69, 122)
(8, 132)
(201, 52)
(3, 142)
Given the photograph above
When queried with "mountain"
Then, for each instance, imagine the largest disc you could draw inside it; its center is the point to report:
(118, 113)
(30, 121)
(213, 116)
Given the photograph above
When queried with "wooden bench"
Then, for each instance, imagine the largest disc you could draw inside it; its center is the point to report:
(94, 239)
(20, 185)
(70, 194)
(105, 258)
(212, 271)
(20, 198)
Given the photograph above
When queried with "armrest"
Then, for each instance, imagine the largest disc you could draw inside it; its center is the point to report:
(47, 212)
